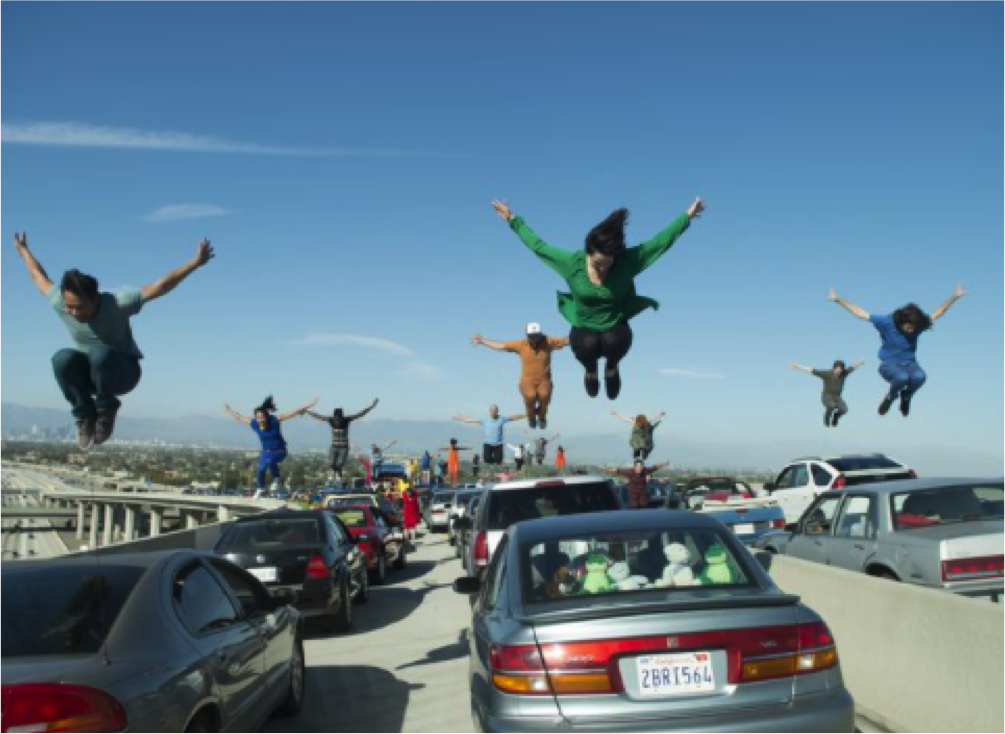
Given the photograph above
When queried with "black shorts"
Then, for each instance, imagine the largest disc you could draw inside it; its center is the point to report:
(492, 454)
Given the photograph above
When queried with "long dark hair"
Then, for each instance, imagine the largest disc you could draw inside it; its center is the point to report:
(268, 406)
(912, 314)
(608, 237)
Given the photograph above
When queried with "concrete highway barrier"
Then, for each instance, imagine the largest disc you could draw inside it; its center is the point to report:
(914, 659)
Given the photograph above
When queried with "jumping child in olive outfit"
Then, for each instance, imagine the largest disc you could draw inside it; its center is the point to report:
(899, 333)
(834, 405)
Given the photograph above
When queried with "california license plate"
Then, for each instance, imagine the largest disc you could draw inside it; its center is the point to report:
(744, 529)
(677, 673)
(265, 575)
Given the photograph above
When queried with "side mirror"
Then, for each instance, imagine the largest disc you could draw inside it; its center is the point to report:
(469, 585)
(284, 597)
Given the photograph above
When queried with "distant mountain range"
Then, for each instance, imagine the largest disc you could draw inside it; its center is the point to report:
(413, 437)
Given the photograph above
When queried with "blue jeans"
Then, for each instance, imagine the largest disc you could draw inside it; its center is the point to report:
(905, 378)
(92, 381)
(268, 462)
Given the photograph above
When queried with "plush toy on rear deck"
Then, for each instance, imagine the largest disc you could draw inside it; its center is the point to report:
(597, 580)
(561, 585)
(622, 577)
(717, 570)
(678, 572)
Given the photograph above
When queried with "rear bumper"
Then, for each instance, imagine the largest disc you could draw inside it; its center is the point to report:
(833, 711)
(312, 600)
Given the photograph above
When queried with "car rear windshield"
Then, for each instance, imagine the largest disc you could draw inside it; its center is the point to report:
(352, 518)
(864, 463)
(350, 501)
(63, 610)
(442, 498)
(641, 560)
(516, 505)
(269, 534)
(945, 506)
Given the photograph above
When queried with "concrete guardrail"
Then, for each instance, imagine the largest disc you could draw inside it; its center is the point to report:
(915, 659)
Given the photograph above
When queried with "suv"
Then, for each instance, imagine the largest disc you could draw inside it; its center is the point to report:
(508, 503)
(802, 480)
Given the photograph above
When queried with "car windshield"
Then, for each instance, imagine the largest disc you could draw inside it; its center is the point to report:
(516, 505)
(63, 610)
(443, 498)
(641, 560)
(265, 534)
(863, 463)
(353, 518)
(350, 501)
(947, 505)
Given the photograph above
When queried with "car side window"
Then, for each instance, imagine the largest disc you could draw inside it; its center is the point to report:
(378, 520)
(821, 477)
(857, 519)
(800, 476)
(254, 600)
(785, 479)
(494, 577)
(335, 526)
(820, 516)
(201, 602)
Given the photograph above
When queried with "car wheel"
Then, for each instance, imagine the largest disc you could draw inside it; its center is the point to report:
(341, 620)
(363, 595)
(298, 678)
(888, 576)
(402, 560)
(202, 722)
(380, 573)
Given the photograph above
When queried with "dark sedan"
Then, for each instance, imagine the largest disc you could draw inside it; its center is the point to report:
(308, 552)
(156, 642)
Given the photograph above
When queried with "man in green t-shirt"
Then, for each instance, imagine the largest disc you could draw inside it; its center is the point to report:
(834, 405)
(105, 361)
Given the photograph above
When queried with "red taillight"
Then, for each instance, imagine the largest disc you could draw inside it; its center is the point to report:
(60, 707)
(317, 568)
(481, 550)
(779, 523)
(972, 569)
(840, 482)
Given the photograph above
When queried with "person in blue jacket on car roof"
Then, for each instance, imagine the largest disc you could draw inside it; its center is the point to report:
(268, 428)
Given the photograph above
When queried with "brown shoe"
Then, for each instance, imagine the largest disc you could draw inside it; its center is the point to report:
(85, 433)
(103, 428)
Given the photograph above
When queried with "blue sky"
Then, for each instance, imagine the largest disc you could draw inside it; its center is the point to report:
(342, 159)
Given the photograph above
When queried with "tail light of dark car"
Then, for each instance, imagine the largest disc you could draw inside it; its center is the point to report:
(578, 668)
(60, 707)
(972, 569)
(480, 550)
(317, 568)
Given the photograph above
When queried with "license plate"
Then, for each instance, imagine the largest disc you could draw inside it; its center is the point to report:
(744, 529)
(665, 675)
(265, 575)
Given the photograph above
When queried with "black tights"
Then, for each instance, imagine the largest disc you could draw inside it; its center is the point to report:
(589, 346)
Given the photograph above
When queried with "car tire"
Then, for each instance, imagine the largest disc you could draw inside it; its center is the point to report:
(380, 573)
(363, 595)
(402, 560)
(297, 684)
(203, 721)
(341, 620)
(888, 576)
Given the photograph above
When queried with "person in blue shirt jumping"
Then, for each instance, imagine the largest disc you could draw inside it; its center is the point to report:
(269, 429)
(899, 333)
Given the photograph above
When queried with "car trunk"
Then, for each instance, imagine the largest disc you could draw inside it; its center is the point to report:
(285, 566)
(666, 659)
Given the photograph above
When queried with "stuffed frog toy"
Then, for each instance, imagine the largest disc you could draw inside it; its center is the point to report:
(717, 570)
(597, 580)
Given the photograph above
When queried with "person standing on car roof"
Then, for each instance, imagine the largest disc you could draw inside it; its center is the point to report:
(427, 466)
(535, 369)
(641, 440)
(268, 428)
(338, 452)
(638, 483)
(834, 405)
(377, 457)
(454, 461)
(519, 453)
(541, 448)
(899, 333)
(105, 361)
(560, 459)
(494, 433)
(602, 297)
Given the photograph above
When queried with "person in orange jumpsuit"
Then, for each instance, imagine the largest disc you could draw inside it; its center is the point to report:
(454, 460)
(560, 459)
(535, 376)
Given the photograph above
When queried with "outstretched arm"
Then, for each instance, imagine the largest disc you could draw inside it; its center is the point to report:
(517, 417)
(365, 410)
(389, 445)
(171, 281)
(621, 417)
(802, 368)
(298, 412)
(240, 418)
(850, 307)
(649, 252)
(38, 275)
(465, 419)
(555, 258)
(317, 416)
(658, 418)
(478, 339)
(858, 364)
(941, 310)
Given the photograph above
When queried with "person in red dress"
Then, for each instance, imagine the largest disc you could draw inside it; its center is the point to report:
(410, 512)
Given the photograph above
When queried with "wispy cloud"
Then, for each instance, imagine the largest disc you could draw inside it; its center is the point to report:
(421, 370)
(86, 135)
(178, 212)
(323, 339)
(677, 372)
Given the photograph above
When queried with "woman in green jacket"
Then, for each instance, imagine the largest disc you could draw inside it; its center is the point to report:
(602, 298)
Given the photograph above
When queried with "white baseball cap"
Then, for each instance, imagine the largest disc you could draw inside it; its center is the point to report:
(533, 328)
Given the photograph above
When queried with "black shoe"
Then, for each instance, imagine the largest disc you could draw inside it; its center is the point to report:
(532, 422)
(542, 423)
(592, 383)
(828, 417)
(85, 433)
(884, 407)
(835, 419)
(103, 428)
(612, 382)
(905, 406)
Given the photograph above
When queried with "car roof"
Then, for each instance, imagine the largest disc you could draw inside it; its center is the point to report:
(832, 457)
(280, 514)
(549, 482)
(915, 485)
(95, 561)
(548, 528)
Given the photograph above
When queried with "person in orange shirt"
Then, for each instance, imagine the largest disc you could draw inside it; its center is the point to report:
(454, 460)
(535, 376)
(560, 459)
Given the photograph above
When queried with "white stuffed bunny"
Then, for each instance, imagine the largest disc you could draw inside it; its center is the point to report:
(621, 574)
(678, 571)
